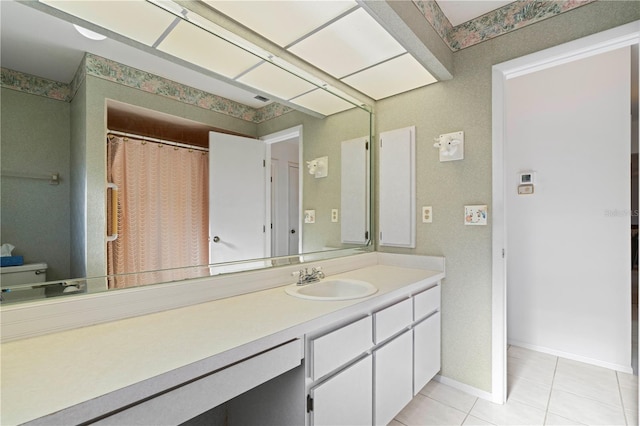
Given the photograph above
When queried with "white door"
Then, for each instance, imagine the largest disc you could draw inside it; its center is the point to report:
(569, 243)
(236, 198)
(294, 208)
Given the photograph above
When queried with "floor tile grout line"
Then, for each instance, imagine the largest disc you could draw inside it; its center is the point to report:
(553, 379)
(470, 410)
(446, 404)
(624, 411)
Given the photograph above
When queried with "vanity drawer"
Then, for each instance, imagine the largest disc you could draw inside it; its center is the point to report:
(198, 396)
(393, 319)
(426, 302)
(338, 347)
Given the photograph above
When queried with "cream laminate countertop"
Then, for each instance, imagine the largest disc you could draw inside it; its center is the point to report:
(81, 373)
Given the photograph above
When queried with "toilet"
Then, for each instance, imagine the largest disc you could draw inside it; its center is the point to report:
(17, 282)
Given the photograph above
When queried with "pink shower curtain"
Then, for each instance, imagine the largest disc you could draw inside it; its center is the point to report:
(163, 212)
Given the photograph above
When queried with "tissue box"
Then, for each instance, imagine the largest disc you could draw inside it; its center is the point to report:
(11, 261)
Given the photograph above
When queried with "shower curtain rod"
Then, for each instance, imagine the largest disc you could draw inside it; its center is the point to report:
(150, 139)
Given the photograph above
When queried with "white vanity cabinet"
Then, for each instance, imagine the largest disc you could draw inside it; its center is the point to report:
(393, 377)
(426, 337)
(393, 360)
(344, 399)
(340, 365)
(204, 393)
(368, 370)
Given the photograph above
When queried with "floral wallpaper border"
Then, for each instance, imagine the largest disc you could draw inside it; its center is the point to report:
(508, 18)
(34, 85)
(131, 77)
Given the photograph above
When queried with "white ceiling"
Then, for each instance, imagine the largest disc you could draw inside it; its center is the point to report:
(36, 43)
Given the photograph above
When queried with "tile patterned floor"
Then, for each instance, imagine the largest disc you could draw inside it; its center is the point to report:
(543, 390)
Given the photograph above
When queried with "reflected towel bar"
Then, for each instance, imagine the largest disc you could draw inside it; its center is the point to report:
(53, 178)
(114, 211)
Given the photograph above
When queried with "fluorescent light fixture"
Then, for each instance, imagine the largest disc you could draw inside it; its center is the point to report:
(389, 78)
(352, 43)
(323, 102)
(272, 79)
(195, 45)
(266, 17)
(121, 17)
(92, 35)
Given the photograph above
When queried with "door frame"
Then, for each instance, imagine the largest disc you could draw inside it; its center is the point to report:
(283, 135)
(622, 36)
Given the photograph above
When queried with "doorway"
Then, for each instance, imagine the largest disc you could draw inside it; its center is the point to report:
(284, 151)
(607, 41)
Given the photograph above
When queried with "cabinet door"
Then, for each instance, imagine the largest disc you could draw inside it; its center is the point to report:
(397, 216)
(346, 398)
(426, 351)
(393, 378)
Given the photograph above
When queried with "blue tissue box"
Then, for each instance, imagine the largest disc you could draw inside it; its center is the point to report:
(11, 261)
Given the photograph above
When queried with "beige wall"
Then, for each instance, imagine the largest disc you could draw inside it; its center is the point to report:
(322, 137)
(35, 215)
(464, 103)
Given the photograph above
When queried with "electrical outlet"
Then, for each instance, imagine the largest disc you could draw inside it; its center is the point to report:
(427, 214)
(334, 215)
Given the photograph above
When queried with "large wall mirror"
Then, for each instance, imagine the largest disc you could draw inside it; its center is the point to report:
(71, 199)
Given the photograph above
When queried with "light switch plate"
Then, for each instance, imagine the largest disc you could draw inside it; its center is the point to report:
(427, 214)
(334, 215)
(475, 215)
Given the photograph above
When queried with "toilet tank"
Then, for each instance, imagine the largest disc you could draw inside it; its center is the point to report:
(11, 276)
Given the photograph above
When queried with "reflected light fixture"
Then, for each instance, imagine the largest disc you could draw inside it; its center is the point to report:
(88, 33)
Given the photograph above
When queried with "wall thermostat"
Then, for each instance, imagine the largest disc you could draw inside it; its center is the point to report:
(526, 182)
(527, 178)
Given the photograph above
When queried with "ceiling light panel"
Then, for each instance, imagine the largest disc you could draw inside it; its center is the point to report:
(267, 17)
(323, 102)
(276, 81)
(193, 44)
(390, 78)
(122, 17)
(348, 45)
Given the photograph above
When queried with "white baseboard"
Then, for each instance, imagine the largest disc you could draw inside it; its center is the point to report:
(574, 357)
(464, 388)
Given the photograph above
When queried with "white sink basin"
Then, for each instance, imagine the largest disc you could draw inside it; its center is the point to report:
(333, 289)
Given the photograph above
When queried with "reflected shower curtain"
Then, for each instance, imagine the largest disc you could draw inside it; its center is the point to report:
(163, 212)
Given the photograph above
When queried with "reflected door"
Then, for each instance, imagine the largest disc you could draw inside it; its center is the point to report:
(237, 207)
(294, 208)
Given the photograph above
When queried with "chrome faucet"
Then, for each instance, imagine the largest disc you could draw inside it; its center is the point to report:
(306, 277)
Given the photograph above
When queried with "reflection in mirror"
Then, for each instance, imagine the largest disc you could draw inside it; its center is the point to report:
(63, 95)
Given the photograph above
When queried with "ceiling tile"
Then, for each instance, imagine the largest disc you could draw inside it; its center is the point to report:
(390, 78)
(323, 102)
(276, 81)
(193, 44)
(122, 17)
(283, 22)
(348, 45)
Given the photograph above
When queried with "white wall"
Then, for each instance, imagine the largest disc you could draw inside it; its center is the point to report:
(568, 244)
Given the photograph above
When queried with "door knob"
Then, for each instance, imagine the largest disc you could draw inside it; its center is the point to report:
(293, 231)
(216, 239)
